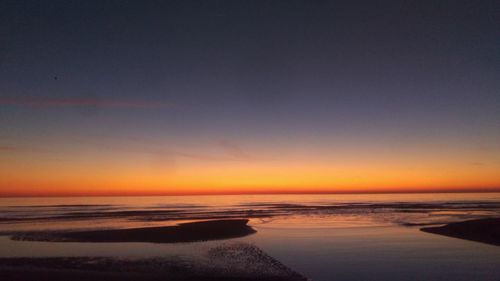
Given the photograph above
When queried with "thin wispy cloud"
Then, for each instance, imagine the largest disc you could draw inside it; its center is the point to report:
(84, 102)
(230, 151)
(26, 149)
(233, 150)
(7, 148)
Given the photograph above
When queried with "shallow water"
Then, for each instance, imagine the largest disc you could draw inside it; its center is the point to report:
(325, 237)
(374, 209)
(379, 253)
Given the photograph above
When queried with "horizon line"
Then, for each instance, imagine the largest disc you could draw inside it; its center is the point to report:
(276, 192)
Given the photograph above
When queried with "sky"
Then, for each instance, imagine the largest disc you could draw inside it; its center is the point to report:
(202, 97)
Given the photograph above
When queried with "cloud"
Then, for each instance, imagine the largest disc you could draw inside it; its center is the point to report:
(233, 150)
(83, 102)
(24, 149)
(146, 145)
(7, 148)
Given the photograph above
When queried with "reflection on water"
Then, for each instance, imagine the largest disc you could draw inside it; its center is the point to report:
(379, 253)
(325, 237)
(104, 212)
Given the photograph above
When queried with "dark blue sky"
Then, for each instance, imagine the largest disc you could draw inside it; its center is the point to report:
(279, 78)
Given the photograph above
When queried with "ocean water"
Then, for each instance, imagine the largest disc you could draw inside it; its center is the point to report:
(325, 237)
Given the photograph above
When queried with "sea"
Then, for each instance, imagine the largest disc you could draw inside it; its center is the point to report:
(323, 236)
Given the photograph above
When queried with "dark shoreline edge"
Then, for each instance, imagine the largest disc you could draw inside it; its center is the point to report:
(186, 232)
(480, 230)
(229, 261)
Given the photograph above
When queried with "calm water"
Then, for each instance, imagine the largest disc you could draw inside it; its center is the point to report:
(325, 237)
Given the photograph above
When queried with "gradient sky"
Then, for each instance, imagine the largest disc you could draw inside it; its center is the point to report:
(174, 97)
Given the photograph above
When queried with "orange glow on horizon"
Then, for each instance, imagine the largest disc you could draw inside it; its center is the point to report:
(87, 172)
(236, 191)
(264, 180)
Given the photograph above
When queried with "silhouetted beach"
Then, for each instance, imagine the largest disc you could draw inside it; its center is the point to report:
(233, 261)
(261, 237)
(185, 232)
(481, 230)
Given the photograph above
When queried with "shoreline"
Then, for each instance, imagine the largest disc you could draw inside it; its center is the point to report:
(229, 261)
(185, 232)
(479, 230)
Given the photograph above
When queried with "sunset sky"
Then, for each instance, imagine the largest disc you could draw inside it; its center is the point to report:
(183, 97)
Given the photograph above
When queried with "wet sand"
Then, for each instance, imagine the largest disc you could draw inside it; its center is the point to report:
(186, 232)
(236, 261)
(481, 230)
(228, 261)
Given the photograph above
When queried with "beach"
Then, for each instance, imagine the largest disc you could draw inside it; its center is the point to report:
(482, 230)
(185, 232)
(236, 261)
(285, 237)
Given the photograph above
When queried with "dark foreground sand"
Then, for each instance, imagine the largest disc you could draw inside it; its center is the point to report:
(236, 261)
(229, 261)
(482, 230)
(186, 232)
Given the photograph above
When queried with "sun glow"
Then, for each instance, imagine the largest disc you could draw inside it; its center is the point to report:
(98, 175)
